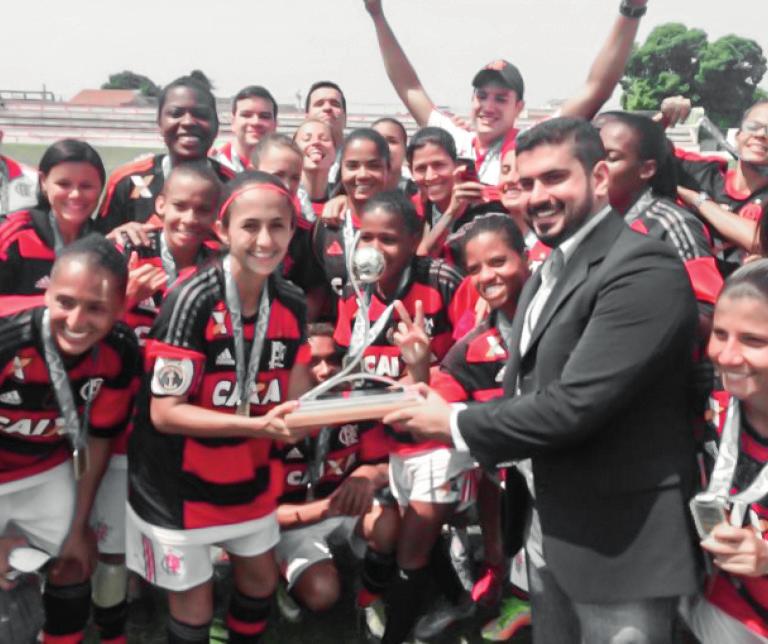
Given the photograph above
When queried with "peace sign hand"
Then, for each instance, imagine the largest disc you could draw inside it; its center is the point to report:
(411, 336)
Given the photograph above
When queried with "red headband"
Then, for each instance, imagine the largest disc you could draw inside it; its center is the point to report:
(261, 186)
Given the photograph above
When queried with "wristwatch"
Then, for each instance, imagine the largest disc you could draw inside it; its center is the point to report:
(700, 199)
(629, 10)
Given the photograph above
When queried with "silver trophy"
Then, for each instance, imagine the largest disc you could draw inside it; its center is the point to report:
(320, 407)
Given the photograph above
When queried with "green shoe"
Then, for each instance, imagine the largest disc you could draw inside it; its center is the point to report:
(218, 633)
(515, 614)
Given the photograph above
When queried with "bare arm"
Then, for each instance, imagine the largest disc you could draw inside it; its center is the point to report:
(731, 226)
(399, 68)
(606, 70)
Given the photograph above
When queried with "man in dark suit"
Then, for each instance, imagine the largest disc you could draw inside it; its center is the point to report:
(597, 395)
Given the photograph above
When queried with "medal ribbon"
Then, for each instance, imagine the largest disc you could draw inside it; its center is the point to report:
(245, 377)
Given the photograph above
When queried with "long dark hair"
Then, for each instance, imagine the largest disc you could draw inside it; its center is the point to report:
(68, 151)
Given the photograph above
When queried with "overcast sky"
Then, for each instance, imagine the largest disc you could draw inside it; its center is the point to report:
(285, 45)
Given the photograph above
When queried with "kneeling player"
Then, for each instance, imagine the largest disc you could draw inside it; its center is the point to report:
(199, 458)
(330, 484)
(66, 372)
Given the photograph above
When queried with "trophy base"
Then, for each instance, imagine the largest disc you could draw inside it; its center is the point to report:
(351, 407)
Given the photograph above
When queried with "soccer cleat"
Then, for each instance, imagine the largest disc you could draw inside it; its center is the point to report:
(515, 614)
(287, 605)
(442, 617)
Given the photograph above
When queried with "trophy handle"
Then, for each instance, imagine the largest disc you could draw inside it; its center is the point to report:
(341, 378)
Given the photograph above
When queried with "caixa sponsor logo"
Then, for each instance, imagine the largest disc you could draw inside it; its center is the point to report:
(226, 394)
(31, 426)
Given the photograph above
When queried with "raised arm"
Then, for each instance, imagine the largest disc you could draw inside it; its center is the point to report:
(399, 68)
(607, 68)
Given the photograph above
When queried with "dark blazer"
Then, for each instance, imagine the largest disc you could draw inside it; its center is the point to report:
(604, 411)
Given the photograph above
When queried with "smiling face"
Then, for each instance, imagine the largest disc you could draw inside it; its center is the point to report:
(253, 119)
(259, 230)
(494, 110)
(72, 189)
(363, 171)
(738, 346)
(315, 140)
(432, 171)
(387, 233)
(188, 124)
(188, 208)
(512, 197)
(84, 301)
(560, 194)
(752, 137)
(496, 270)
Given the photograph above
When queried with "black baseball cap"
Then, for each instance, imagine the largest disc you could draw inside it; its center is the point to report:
(502, 72)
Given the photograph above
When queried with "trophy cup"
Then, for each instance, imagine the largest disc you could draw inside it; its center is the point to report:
(319, 407)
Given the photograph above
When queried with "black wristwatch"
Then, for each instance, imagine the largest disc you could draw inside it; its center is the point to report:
(628, 10)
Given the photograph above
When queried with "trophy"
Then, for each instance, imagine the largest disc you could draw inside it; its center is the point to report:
(319, 406)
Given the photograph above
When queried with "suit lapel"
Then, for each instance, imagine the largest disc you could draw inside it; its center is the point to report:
(590, 251)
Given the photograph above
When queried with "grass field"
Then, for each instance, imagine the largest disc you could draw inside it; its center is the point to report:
(112, 156)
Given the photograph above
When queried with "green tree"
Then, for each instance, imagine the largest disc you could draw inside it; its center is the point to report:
(721, 76)
(131, 80)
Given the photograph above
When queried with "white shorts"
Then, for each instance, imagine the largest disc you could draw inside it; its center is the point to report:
(300, 548)
(436, 476)
(40, 507)
(178, 560)
(108, 513)
(712, 625)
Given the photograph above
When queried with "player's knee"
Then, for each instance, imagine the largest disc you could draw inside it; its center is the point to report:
(318, 588)
(385, 528)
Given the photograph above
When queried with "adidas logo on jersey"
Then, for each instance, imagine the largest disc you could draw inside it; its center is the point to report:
(334, 249)
(225, 358)
(43, 283)
(10, 397)
(294, 454)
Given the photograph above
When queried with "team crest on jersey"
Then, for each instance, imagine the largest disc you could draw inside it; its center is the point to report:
(172, 377)
(277, 358)
(18, 366)
(43, 283)
(141, 186)
(348, 435)
(91, 388)
(173, 562)
(219, 327)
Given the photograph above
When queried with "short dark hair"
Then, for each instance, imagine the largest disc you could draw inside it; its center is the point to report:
(762, 101)
(434, 135)
(68, 151)
(368, 134)
(321, 84)
(99, 252)
(324, 329)
(396, 203)
(652, 145)
(273, 140)
(581, 134)
(498, 223)
(750, 280)
(255, 91)
(199, 169)
(246, 178)
(202, 90)
(396, 123)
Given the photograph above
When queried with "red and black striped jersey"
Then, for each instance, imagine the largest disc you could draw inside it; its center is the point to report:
(300, 265)
(27, 252)
(181, 482)
(474, 367)
(142, 316)
(663, 219)
(434, 283)
(132, 189)
(712, 175)
(329, 250)
(350, 446)
(723, 592)
(30, 442)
